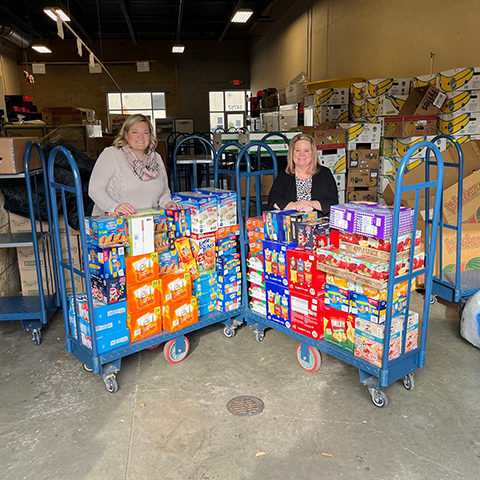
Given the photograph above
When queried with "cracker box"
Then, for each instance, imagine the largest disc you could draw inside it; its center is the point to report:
(273, 224)
(179, 222)
(180, 314)
(142, 268)
(106, 262)
(303, 276)
(275, 261)
(339, 328)
(278, 304)
(374, 310)
(144, 323)
(203, 251)
(337, 298)
(140, 234)
(306, 232)
(228, 264)
(144, 296)
(203, 210)
(226, 205)
(369, 340)
(167, 261)
(105, 230)
(306, 314)
(109, 290)
(174, 286)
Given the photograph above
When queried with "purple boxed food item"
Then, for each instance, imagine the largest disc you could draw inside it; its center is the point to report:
(342, 217)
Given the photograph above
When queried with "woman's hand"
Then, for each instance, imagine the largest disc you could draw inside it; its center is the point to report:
(174, 205)
(125, 209)
(308, 205)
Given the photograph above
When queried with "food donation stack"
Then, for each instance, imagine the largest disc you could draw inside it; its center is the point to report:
(160, 269)
(328, 278)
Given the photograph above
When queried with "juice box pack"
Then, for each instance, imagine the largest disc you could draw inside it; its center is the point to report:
(106, 262)
(104, 230)
(203, 210)
(226, 205)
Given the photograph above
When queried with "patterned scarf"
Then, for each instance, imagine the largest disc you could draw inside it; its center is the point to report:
(142, 170)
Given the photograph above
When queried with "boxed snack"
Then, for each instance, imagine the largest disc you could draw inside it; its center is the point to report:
(205, 282)
(273, 224)
(337, 298)
(375, 310)
(278, 304)
(144, 323)
(227, 231)
(369, 340)
(109, 290)
(227, 264)
(203, 250)
(167, 261)
(339, 328)
(185, 254)
(164, 241)
(180, 314)
(411, 342)
(226, 205)
(306, 314)
(255, 224)
(341, 282)
(307, 231)
(203, 210)
(179, 222)
(207, 308)
(259, 306)
(275, 261)
(105, 230)
(140, 234)
(290, 224)
(400, 290)
(144, 296)
(174, 286)
(106, 262)
(141, 268)
(303, 276)
(227, 245)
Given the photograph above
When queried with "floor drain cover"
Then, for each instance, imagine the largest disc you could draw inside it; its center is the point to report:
(245, 406)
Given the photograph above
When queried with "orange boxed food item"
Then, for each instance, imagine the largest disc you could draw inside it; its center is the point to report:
(145, 323)
(224, 232)
(182, 244)
(143, 296)
(141, 268)
(180, 314)
(174, 287)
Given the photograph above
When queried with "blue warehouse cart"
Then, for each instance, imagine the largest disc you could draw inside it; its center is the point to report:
(403, 367)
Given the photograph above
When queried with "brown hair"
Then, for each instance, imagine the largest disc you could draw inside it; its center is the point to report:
(132, 120)
(290, 163)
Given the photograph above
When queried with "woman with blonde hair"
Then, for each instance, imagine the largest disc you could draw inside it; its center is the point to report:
(305, 185)
(130, 175)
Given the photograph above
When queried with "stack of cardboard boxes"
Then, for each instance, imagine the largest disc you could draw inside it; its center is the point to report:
(331, 104)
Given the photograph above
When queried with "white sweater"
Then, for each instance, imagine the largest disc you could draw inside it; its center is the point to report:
(113, 182)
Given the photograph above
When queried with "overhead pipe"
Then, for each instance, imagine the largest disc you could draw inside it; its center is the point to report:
(15, 35)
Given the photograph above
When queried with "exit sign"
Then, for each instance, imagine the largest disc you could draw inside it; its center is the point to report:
(236, 82)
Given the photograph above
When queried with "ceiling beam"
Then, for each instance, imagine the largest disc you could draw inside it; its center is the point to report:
(227, 26)
(179, 22)
(129, 23)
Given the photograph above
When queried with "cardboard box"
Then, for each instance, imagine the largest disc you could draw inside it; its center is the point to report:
(357, 108)
(333, 159)
(331, 96)
(26, 257)
(180, 314)
(394, 86)
(340, 180)
(294, 93)
(425, 80)
(387, 146)
(105, 230)
(109, 290)
(203, 210)
(461, 101)
(417, 116)
(57, 116)
(76, 135)
(275, 261)
(371, 107)
(329, 113)
(106, 262)
(459, 123)
(140, 231)
(19, 224)
(339, 328)
(306, 314)
(362, 177)
(361, 194)
(25, 131)
(226, 205)
(142, 268)
(341, 196)
(142, 297)
(327, 136)
(401, 146)
(362, 132)
(358, 91)
(144, 323)
(12, 151)
(303, 276)
(29, 281)
(459, 79)
(363, 158)
(390, 104)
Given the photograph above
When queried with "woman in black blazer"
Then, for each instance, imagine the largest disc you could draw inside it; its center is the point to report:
(305, 185)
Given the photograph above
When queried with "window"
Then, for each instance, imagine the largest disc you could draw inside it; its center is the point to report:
(228, 109)
(150, 104)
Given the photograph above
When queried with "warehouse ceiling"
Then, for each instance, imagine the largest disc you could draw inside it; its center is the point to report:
(176, 20)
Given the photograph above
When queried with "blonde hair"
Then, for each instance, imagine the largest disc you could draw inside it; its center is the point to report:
(291, 164)
(132, 120)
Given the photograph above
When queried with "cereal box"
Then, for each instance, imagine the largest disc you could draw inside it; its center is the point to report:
(273, 224)
(180, 314)
(144, 323)
(106, 262)
(369, 340)
(140, 234)
(167, 261)
(275, 261)
(203, 251)
(179, 222)
(339, 328)
(142, 268)
(109, 290)
(278, 304)
(203, 210)
(144, 296)
(303, 276)
(105, 230)
(174, 286)
(226, 205)
(306, 314)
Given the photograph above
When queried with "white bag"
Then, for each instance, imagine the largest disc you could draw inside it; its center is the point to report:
(470, 321)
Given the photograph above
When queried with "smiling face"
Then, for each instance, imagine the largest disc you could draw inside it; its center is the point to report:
(138, 137)
(302, 155)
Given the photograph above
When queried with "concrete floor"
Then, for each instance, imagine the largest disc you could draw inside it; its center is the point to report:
(58, 422)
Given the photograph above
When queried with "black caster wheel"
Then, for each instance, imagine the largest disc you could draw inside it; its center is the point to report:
(37, 337)
(111, 384)
(409, 381)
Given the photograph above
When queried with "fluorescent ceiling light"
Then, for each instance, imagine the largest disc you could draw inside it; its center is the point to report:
(178, 48)
(54, 12)
(41, 49)
(242, 15)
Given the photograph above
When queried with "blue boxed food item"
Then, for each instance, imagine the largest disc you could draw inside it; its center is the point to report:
(105, 230)
(106, 262)
(273, 224)
(278, 304)
(337, 297)
(227, 245)
(179, 222)
(307, 231)
(275, 261)
(167, 261)
(228, 264)
(109, 290)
